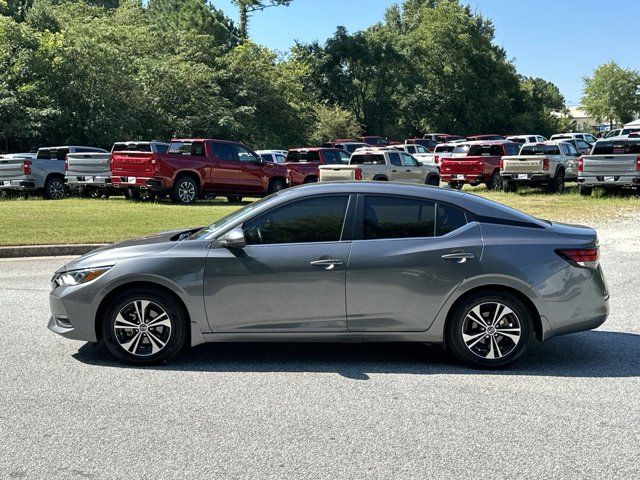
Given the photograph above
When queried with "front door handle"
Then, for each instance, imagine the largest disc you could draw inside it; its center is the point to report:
(394, 171)
(408, 170)
(459, 257)
(326, 263)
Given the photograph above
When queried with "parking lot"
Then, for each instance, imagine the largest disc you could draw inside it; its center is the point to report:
(568, 410)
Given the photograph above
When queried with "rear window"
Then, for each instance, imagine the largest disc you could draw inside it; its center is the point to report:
(480, 150)
(444, 149)
(332, 157)
(131, 147)
(367, 159)
(52, 153)
(161, 147)
(296, 156)
(616, 148)
(540, 150)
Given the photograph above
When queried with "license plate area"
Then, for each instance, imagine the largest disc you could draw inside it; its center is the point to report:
(458, 177)
(523, 176)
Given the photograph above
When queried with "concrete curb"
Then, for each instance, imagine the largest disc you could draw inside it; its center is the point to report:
(47, 250)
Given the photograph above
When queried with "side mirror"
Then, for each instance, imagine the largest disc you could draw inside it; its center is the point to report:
(232, 239)
(258, 160)
(420, 164)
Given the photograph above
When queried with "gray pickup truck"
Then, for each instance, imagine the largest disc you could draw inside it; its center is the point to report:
(89, 173)
(44, 173)
(614, 163)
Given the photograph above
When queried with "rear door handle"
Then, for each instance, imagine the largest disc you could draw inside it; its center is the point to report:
(326, 263)
(459, 257)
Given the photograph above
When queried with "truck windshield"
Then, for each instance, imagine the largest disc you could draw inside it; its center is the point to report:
(367, 159)
(540, 150)
(616, 148)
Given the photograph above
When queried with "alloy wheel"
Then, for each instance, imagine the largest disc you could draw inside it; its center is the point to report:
(142, 328)
(187, 192)
(56, 190)
(491, 330)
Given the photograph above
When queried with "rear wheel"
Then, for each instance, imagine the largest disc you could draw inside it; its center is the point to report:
(433, 180)
(54, 189)
(455, 185)
(586, 191)
(144, 327)
(275, 186)
(509, 187)
(185, 190)
(495, 183)
(490, 330)
(556, 184)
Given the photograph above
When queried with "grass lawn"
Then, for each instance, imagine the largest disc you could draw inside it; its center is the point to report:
(35, 221)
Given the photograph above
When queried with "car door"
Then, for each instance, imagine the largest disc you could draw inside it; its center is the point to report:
(251, 169)
(291, 275)
(407, 256)
(226, 172)
(572, 160)
(413, 172)
(396, 173)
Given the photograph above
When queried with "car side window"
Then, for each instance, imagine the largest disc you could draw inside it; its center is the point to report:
(496, 151)
(280, 158)
(397, 217)
(394, 159)
(572, 150)
(316, 219)
(449, 218)
(195, 149)
(408, 161)
(344, 156)
(244, 154)
(223, 151)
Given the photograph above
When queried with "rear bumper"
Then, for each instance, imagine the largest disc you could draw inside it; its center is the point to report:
(88, 181)
(22, 184)
(611, 181)
(526, 177)
(141, 183)
(471, 178)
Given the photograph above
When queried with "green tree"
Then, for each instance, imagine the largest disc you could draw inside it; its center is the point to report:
(246, 8)
(333, 122)
(612, 94)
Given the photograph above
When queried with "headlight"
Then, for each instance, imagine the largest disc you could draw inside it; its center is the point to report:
(77, 277)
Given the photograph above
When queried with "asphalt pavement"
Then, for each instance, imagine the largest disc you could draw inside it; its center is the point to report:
(570, 409)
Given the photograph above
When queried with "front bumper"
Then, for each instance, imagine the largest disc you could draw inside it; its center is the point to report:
(73, 311)
(18, 184)
(611, 181)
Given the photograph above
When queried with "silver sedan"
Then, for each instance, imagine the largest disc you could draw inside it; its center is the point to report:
(341, 262)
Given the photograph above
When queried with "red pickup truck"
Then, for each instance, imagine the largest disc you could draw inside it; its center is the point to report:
(193, 168)
(477, 162)
(303, 163)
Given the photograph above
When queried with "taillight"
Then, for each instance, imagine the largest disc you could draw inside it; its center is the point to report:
(638, 163)
(27, 167)
(66, 163)
(581, 164)
(585, 258)
(500, 164)
(436, 159)
(357, 175)
(545, 164)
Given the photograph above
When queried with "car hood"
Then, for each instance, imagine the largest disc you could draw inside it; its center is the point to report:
(111, 254)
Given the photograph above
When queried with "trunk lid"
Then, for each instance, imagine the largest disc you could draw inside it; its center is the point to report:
(134, 164)
(578, 232)
(88, 164)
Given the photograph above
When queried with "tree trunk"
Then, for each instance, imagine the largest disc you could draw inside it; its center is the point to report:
(244, 22)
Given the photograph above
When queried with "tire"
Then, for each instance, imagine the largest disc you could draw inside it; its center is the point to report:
(54, 189)
(433, 180)
(556, 184)
(496, 181)
(185, 190)
(509, 187)
(145, 345)
(455, 185)
(136, 195)
(234, 199)
(275, 186)
(469, 340)
(585, 191)
(310, 180)
(85, 193)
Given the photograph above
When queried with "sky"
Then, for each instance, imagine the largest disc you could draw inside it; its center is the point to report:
(558, 40)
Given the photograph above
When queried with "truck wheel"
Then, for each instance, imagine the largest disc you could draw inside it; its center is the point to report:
(556, 185)
(54, 189)
(234, 199)
(455, 185)
(509, 187)
(584, 190)
(185, 190)
(433, 180)
(310, 180)
(496, 181)
(275, 186)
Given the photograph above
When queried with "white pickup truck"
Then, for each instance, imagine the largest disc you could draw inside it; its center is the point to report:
(549, 163)
(89, 172)
(381, 164)
(614, 163)
(419, 152)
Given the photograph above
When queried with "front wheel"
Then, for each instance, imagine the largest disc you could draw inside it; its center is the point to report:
(490, 330)
(433, 180)
(144, 327)
(275, 186)
(54, 189)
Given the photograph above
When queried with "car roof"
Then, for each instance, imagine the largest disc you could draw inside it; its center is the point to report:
(485, 142)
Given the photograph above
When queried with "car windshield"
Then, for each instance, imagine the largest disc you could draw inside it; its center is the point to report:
(540, 150)
(220, 224)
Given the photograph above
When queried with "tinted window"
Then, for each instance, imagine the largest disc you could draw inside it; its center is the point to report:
(161, 147)
(52, 154)
(540, 150)
(267, 157)
(616, 148)
(367, 159)
(394, 159)
(344, 156)
(244, 154)
(296, 156)
(280, 158)
(195, 149)
(410, 149)
(332, 157)
(317, 219)
(222, 151)
(397, 217)
(132, 147)
(512, 148)
(449, 218)
(572, 150)
(444, 148)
